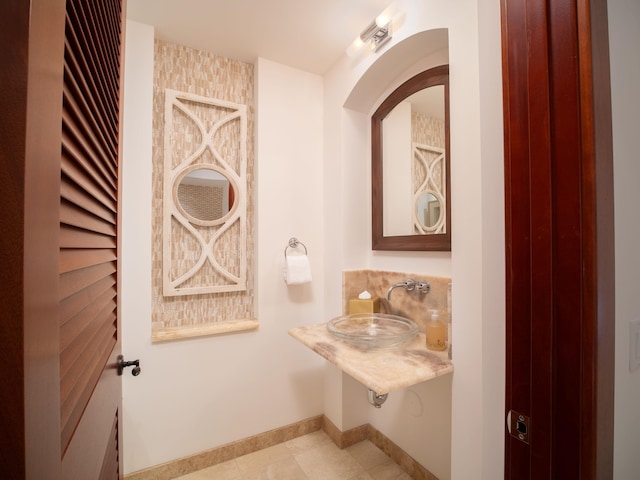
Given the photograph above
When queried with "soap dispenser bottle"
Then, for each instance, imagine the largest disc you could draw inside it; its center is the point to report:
(436, 333)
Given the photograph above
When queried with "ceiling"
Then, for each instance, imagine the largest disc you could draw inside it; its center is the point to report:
(310, 35)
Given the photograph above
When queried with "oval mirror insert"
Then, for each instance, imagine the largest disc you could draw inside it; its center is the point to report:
(205, 194)
(428, 212)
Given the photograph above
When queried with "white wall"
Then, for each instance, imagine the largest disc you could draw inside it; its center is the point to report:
(624, 38)
(476, 263)
(200, 393)
(493, 253)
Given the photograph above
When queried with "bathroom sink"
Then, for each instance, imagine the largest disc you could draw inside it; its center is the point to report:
(373, 330)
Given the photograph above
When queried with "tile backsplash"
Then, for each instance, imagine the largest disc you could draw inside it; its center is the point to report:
(413, 305)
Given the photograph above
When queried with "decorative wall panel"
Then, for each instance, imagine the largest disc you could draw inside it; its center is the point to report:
(205, 75)
(205, 164)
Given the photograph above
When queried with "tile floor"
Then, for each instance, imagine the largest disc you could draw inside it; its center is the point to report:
(310, 457)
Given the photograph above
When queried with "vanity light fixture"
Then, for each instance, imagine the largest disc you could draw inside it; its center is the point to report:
(376, 34)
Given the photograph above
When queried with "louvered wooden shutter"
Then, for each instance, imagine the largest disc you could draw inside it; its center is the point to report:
(88, 202)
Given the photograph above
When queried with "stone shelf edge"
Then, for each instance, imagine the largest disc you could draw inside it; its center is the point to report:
(383, 370)
(201, 330)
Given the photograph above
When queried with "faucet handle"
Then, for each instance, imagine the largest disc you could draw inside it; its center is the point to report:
(423, 287)
(409, 284)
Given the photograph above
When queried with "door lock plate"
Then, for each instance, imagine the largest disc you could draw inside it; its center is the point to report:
(519, 426)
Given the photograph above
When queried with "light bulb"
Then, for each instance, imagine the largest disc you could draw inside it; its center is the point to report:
(354, 47)
(382, 20)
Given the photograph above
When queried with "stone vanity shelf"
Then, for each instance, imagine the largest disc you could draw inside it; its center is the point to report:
(382, 370)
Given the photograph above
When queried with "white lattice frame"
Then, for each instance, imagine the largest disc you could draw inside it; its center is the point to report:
(171, 178)
(437, 187)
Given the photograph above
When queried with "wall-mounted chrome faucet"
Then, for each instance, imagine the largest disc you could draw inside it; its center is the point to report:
(409, 285)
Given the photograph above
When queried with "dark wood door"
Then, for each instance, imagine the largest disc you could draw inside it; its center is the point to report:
(559, 239)
(60, 114)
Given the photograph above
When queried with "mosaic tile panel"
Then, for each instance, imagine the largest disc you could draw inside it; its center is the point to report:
(188, 70)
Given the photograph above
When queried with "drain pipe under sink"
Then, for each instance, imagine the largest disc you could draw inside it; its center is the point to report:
(375, 399)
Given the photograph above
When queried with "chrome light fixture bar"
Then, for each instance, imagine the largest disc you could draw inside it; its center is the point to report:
(376, 34)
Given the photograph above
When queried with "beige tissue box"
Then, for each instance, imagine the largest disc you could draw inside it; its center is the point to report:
(370, 305)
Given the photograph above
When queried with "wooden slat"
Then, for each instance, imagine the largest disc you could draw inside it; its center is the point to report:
(76, 387)
(90, 323)
(71, 409)
(109, 470)
(80, 92)
(77, 166)
(88, 363)
(75, 216)
(79, 51)
(88, 327)
(98, 83)
(105, 50)
(98, 17)
(86, 137)
(74, 194)
(109, 16)
(84, 182)
(75, 259)
(83, 323)
(75, 238)
(85, 40)
(71, 307)
(77, 280)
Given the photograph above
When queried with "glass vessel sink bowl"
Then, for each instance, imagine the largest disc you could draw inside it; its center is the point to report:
(373, 330)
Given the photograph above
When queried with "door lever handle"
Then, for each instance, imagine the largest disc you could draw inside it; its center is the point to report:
(122, 365)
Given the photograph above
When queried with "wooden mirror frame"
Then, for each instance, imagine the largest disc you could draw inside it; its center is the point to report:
(428, 242)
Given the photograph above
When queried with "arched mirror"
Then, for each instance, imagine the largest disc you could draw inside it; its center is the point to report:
(411, 207)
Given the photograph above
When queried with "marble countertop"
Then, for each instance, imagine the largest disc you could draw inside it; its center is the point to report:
(383, 369)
